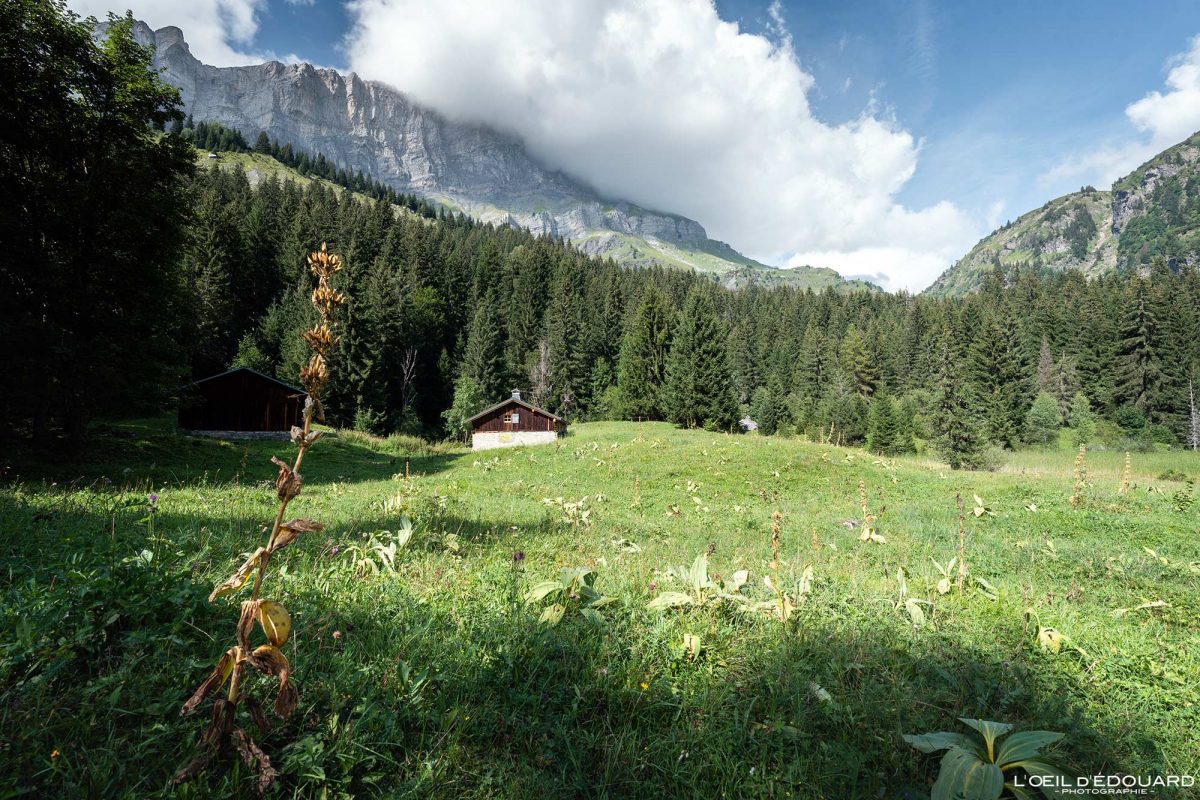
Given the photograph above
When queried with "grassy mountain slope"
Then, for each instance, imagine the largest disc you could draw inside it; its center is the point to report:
(1153, 211)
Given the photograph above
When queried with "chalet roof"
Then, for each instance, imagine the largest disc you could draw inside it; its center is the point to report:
(236, 370)
(519, 402)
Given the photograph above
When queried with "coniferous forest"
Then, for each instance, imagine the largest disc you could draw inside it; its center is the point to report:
(447, 314)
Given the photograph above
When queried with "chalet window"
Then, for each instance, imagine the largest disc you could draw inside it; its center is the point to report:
(511, 417)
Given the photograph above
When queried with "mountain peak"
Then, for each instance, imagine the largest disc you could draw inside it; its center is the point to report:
(1153, 211)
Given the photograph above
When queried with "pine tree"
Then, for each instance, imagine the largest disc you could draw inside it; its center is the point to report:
(642, 365)
(1140, 379)
(960, 437)
(699, 386)
(998, 373)
(570, 361)
(859, 363)
(882, 429)
(482, 360)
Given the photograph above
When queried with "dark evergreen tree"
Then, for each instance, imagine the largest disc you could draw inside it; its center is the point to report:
(699, 386)
(642, 367)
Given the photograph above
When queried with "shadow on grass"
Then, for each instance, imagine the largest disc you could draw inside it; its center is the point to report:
(167, 457)
(431, 695)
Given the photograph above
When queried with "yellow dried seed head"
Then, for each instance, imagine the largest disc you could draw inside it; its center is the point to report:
(321, 338)
(326, 300)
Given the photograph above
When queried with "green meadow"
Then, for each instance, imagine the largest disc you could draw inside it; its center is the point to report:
(424, 672)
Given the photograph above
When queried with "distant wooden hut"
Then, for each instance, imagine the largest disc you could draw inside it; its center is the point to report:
(513, 422)
(241, 401)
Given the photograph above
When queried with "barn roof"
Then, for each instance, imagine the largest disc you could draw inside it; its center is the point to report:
(236, 370)
(519, 402)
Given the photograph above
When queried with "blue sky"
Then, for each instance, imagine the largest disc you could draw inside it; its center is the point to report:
(879, 138)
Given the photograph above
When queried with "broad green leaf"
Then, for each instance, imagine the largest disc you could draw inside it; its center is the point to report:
(601, 601)
(1024, 745)
(943, 586)
(671, 600)
(806, 581)
(915, 612)
(986, 589)
(552, 614)
(941, 740)
(540, 591)
(692, 644)
(964, 776)
(1021, 793)
(991, 731)
(698, 575)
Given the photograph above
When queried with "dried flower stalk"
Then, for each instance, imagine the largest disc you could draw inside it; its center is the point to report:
(222, 737)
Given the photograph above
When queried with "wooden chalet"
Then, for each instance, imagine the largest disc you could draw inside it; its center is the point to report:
(241, 401)
(514, 422)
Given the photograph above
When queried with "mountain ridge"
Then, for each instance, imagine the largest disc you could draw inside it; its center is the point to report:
(1153, 211)
(375, 128)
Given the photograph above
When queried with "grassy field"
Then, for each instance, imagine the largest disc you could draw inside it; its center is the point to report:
(427, 675)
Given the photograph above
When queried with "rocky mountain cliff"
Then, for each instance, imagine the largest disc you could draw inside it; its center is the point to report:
(369, 126)
(1153, 211)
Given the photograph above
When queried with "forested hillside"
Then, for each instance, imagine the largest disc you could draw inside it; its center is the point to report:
(449, 302)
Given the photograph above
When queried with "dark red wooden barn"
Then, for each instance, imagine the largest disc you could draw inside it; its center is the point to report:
(241, 400)
(512, 422)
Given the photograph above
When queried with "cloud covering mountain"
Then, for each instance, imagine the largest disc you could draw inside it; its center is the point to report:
(665, 103)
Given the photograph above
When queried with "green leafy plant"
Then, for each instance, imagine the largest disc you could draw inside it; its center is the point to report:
(701, 588)
(982, 768)
(223, 734)
(911, 605)
(573, 589)
(379, 550)
(946, 583)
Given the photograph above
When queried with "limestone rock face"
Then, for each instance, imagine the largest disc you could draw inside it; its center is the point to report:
(369, 126)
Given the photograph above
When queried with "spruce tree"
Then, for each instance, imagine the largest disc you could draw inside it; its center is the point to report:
(882, 429)
(699, 386)
(482, 360)
(858, 362)
(997, 370)
(642, 365)
(960, 436)
(1140, 378)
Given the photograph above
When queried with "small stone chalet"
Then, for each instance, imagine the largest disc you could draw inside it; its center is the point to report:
(513, 422)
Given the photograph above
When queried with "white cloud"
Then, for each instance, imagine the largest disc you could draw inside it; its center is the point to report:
(1162, 118)
(663, 103)
(217, 31)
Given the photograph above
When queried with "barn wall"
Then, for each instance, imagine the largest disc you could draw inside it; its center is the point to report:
(240, 401)
(492, 440)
